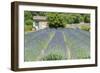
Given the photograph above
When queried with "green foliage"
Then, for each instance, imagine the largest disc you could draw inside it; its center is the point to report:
(85, 27)
(74, 18)
(77, 18)
(28, 15)
(27, 27)
(87, 18)
(54, 56)
(69, 18)
(55, 20)
(28, 21)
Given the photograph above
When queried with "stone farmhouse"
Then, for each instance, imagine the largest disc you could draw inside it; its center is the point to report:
(40, 22)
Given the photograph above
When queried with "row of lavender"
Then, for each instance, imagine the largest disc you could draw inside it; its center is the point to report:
(70, 43)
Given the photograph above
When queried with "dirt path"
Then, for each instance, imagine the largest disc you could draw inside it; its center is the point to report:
(68, 49)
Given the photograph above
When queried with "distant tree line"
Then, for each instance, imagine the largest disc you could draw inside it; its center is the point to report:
(56, 19)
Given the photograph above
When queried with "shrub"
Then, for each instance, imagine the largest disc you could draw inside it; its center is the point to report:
(87, 18)
(54, 56)
(28, 15)
(73, 18)
(55, 20)
(85, 27)
(28, 22)
(28, 27)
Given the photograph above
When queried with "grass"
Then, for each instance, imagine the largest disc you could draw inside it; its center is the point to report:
(85, 27)
(27, 28)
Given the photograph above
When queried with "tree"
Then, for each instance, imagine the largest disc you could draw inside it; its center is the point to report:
(55, 20)
(28, 15)
(87, 18)
(28, 20)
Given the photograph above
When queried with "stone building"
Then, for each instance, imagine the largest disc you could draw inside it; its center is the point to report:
(40, 22)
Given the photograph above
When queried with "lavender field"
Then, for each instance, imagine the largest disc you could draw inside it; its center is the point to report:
(67, 43)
